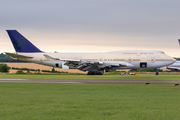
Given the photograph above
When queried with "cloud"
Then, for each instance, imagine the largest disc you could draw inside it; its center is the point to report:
(95, 24)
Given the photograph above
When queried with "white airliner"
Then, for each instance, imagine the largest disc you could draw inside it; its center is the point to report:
(94, 63)
(175, 66)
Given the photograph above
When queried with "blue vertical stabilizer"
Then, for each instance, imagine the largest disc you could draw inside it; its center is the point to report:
(20, 43)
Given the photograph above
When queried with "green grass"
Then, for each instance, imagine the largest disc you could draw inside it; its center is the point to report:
(56, 76)
(88, 102)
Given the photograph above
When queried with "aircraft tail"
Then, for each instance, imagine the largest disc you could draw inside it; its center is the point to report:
(20, 43)
(179, 41)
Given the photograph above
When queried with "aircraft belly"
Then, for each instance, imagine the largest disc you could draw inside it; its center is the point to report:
(53, 63)
(157, 64)
(150, 64)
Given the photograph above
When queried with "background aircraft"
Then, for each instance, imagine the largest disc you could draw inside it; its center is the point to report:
(94, 63)
(175, 66)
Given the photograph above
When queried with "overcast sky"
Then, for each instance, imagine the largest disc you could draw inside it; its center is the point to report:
(93, 25)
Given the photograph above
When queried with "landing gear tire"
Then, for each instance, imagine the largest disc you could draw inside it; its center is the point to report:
(95, 73)
(91, 73)
(157, 72)
(100, 72)
(88, 73)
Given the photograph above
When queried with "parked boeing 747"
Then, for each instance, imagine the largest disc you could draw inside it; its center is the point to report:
(94, 63)
(175, 66)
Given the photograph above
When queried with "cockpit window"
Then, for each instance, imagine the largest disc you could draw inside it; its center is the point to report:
(162, 52)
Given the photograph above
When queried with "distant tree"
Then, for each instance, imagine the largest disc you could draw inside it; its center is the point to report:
(4, 68)
(46, 71)
(28, 72)
(53, 70)
(20, 72)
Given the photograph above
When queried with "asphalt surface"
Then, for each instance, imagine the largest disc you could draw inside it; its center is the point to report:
(5, 80)
(139, 75)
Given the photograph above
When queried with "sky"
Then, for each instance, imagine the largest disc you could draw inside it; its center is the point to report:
(93, 25)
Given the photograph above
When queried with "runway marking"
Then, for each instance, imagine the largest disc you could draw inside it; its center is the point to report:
(58, 82)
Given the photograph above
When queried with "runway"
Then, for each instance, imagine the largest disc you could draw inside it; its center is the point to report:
(77, 81)
(139, 75)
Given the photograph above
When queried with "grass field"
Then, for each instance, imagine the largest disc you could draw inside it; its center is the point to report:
(56, 76)
(88, 102)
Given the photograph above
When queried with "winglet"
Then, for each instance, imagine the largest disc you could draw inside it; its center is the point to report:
(179, 41)
(20, 43)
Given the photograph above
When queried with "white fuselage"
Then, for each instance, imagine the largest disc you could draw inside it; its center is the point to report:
(134, 59)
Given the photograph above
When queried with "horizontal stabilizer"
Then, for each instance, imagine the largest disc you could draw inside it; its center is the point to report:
(13, 55)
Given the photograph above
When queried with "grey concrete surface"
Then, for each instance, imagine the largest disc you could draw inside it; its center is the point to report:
(4, 80)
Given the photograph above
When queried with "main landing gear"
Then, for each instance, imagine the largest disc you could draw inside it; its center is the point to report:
(95, 73)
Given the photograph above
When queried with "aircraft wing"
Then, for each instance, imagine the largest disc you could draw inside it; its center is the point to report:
(14, 55)
(174, 68)
(49, 57)
(171, 67)
(93, 66)
(177, 58)
(90, 65)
